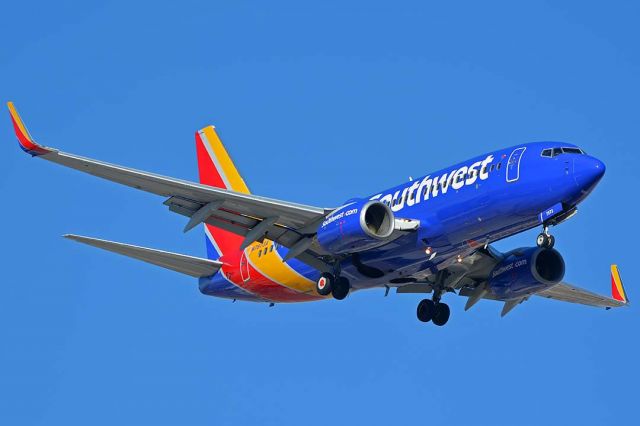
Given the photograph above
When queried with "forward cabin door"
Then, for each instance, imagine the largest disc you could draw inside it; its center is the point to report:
(513, 165)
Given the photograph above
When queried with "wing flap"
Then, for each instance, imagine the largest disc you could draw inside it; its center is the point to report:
(290, 214)
(189, 265)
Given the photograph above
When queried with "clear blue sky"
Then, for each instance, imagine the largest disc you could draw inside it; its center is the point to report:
(316, 104)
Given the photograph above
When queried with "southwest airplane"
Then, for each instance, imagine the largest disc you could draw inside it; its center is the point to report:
(428, 235)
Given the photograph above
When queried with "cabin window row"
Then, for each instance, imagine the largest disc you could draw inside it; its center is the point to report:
(265, 250)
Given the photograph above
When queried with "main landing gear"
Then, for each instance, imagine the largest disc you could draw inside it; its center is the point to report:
(545, 240)
(434, 310)
(328, 284)
(430, 310)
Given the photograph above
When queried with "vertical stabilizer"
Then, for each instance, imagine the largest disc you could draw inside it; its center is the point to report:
(216, 169)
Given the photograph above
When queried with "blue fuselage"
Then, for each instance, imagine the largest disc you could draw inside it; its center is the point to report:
(460, 209)
(506, 192)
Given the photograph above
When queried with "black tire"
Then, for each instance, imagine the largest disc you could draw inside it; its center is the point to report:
(551, 241)
(441, 315)
(426, 309)
(545, 241)
(340, 288)
(325, 284)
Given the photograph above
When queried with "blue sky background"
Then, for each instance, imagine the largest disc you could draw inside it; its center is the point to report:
(316, 103)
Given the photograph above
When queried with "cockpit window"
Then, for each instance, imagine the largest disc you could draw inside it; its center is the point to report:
(572, 151)
(552, 152)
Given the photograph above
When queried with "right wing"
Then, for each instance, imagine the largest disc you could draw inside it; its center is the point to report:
(190, 265)
(291, 225)
(469, 278)
(572, 294)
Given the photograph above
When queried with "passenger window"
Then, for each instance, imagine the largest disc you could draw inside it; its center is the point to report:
(265, 250)
(491, 168)
(499, 165)
(260, 253)
(271, 248)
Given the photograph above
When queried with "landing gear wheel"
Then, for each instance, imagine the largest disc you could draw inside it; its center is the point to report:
(545, 241)
(552, 241)
(324, 284)
(426, 309)
(441, 314)
(340, 288)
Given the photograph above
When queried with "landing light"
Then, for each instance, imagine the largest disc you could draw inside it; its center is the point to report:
(428, 251)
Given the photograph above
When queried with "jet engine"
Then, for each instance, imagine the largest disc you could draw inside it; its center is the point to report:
(526, 271)
(356, 226)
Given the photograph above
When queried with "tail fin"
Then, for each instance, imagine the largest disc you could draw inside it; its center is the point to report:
(216, 169)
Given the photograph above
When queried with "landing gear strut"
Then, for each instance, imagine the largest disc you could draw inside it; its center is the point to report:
(434, 310)
(545, 240)
(328, 284)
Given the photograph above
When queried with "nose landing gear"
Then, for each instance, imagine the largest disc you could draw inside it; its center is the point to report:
(545, 240)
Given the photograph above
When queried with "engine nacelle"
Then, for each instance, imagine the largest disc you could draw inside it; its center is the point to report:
(525, 271)
(357, 226)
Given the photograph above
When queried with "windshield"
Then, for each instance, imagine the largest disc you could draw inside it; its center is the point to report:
(552, 152)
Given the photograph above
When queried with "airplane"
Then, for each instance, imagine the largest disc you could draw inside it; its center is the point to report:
(431, 235)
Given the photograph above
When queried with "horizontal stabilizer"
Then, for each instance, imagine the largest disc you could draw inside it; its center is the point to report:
(194, 266)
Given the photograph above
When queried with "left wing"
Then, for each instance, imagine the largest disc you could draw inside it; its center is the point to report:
(290, 224)
(572, 294)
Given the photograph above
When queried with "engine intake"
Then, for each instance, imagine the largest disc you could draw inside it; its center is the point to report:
(526, 271)
(356, 226)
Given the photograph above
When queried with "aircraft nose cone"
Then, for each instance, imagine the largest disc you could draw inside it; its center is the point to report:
(588, 171)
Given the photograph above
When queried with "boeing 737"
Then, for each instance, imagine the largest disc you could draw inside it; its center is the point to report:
(431, 235)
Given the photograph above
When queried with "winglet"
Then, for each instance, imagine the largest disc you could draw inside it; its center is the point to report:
(27, 143)
(617, 289)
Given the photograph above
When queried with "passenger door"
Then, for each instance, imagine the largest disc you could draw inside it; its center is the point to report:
(513, 165)
(244, 267)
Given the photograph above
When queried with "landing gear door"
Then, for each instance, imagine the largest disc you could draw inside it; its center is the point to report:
(513, 165)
